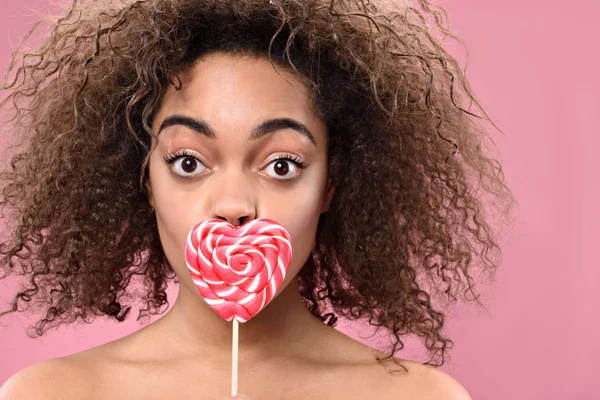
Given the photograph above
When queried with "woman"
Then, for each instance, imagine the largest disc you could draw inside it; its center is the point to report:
(338, 121)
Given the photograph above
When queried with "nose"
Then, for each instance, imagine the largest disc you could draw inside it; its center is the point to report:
(233, 200)
(236, 221)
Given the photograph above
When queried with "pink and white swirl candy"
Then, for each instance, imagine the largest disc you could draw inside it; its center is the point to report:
(238, 270)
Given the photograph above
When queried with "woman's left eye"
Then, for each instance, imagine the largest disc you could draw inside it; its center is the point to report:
(281, 167)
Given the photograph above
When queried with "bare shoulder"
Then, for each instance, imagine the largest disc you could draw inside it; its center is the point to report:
(57, 378)
(426, 383)
(388, 378)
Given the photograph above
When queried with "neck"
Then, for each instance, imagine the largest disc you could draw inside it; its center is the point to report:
(283, 328)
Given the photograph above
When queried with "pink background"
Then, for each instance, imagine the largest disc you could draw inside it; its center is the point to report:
(534, 66)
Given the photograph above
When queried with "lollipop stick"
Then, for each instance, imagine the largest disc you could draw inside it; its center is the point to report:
(234, 360)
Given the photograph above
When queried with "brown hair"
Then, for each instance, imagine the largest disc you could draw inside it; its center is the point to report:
(405, 155)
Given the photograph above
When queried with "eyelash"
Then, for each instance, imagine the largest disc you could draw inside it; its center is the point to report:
(290, 157)
(171, 158)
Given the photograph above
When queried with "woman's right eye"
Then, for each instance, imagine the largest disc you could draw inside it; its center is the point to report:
(184, 164)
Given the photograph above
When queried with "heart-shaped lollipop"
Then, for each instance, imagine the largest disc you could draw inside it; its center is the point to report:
(238, 270)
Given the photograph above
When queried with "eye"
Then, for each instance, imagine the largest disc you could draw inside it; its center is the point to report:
(185, 163)
(281, 167)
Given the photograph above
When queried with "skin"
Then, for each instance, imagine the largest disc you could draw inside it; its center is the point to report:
(284, 351)
(235, 179)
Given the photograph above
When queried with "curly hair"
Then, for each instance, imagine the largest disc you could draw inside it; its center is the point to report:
(406, 157)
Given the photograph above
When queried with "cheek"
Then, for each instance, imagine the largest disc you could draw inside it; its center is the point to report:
(302, 225)
(173, 218)
(171, 238)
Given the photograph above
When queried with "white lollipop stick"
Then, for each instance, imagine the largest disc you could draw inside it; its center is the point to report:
(234, 360)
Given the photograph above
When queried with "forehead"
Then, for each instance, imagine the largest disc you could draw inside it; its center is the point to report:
(220, 81)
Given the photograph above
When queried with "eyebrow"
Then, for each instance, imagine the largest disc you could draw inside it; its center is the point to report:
(265, 128)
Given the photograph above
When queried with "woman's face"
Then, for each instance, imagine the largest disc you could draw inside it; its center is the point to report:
(223, 164)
